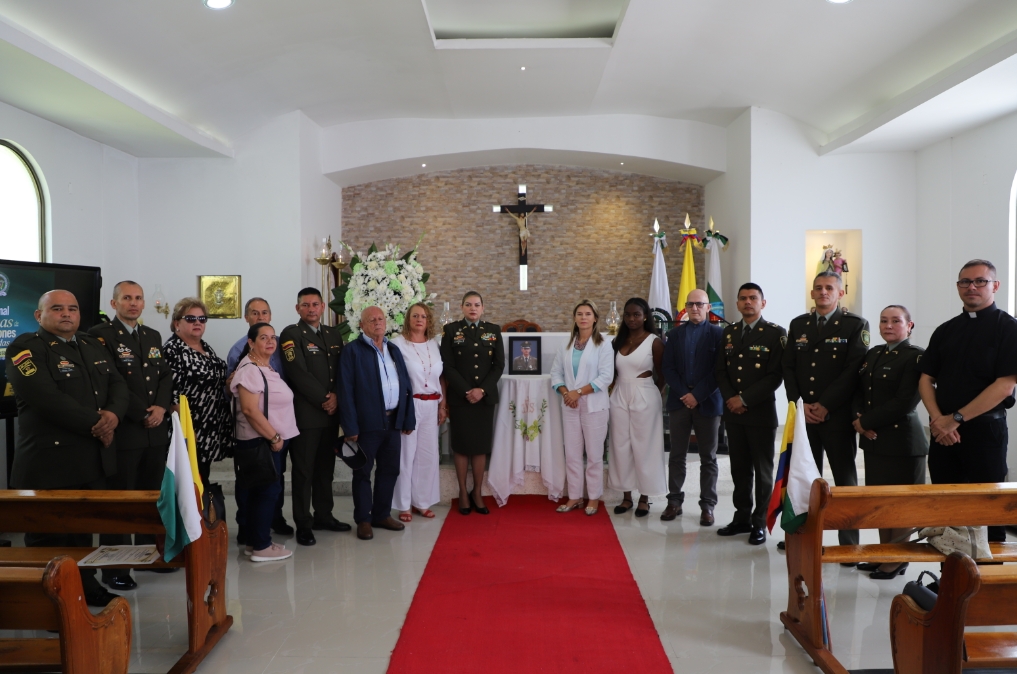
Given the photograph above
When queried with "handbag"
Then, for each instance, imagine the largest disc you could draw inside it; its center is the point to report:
(923, 595)
(213, 503)
(972, 541)
(253, 464)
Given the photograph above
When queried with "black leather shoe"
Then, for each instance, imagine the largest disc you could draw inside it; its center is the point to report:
(100, 598)
(734, 529)
(281, 527)
(120, 583)
(332, 524)
(781, 545)
(757, 536)
(305, 537)
(482, 509)
(868, 566)
(888, 575)
(161, 569)
(4, 543)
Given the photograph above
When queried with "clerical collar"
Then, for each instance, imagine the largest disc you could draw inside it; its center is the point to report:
(976, 314)
(830, 315)
(749, 326)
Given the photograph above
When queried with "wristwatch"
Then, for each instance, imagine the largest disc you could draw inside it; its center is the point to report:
(958, 417)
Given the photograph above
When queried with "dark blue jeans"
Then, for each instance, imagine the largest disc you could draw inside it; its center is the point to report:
(382, 448)
(259, 505)
(240, 494)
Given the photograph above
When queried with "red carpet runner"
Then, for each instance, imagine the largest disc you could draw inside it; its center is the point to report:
(526, 589)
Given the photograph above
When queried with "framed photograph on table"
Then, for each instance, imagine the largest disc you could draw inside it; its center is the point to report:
(221, 294)
(524, 355)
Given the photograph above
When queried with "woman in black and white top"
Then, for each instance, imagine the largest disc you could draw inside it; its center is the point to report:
(200, 375)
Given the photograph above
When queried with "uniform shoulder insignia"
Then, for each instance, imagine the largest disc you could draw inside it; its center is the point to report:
(865, 337)
(783, 340)
(101, 340)
(23, 361)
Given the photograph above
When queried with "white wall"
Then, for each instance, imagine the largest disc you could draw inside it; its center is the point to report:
(321, 202)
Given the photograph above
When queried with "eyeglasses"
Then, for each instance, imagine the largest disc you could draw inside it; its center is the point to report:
(195, 319)
(978, 282)
(695, 305)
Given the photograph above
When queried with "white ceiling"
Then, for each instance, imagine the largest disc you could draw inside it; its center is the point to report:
(473, 19)
(226, 73)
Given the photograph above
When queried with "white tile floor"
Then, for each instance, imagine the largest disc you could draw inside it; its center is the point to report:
(339, 606)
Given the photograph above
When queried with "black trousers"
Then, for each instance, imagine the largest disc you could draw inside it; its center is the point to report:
(980, 456)
(384, 449)
(751, 451)
(140, 468)
(36, 540)
(838, 438)
(312, 458)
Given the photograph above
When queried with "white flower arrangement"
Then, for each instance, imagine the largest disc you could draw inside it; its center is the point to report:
(383, 279)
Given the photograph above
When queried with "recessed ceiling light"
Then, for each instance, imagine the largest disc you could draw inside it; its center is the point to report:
(623, 163)
(423, 166)
(217, 4)
(522, 67)
(839, 2)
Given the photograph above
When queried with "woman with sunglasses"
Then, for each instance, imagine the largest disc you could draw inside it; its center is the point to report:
(199, 375)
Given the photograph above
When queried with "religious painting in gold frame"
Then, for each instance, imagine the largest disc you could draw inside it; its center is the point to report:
(221, 295)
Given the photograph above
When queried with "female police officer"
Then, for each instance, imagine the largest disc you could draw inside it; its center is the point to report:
(473, 359)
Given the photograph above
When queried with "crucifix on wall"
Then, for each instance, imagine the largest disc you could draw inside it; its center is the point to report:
(520, 211)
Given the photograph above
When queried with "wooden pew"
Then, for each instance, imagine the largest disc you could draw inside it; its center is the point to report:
(51, 598)
(883, 507)
(934, 642)
(127, 512)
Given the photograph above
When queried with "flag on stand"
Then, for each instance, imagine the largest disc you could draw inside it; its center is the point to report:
(714, 242)
(660, 294)
(796, 471)
(177, 505)
(688, 281)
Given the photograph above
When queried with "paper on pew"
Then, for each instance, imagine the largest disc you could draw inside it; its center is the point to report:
(109, 555)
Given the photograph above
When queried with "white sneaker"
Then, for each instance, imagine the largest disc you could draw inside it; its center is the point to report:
(249, 550)
(273, 553)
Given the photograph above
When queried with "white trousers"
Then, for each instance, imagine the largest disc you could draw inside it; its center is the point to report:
(637, 438)
(418, 483)
(584, 431)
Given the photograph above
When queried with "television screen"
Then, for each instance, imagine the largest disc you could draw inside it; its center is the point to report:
(21, 285)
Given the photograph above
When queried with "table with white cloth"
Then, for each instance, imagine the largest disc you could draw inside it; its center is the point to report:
(527, 436)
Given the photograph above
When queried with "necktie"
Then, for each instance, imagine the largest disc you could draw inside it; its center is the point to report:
(134, 334)
(822, 323)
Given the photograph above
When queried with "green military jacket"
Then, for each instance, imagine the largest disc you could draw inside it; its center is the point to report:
(749, 364)
(149, 379)
(472, 357)
(823, 367)
(59, 391)
(311, 364)
(886, 398)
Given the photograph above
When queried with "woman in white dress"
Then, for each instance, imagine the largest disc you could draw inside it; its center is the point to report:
(637, 418)
(582, 372)
(417, 488)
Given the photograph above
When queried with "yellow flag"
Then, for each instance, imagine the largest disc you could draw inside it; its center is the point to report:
(192, 444)
(688, 282)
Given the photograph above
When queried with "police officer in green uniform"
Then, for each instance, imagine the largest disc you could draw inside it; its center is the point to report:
(892, 436)
(749, 371)
(70, 401)
(142, 438)
(311, 364)
(473, 359)
(825, 349)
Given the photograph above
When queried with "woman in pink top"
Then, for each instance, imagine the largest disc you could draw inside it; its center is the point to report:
(253, 374)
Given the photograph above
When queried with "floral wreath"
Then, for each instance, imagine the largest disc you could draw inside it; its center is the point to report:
(531, 431)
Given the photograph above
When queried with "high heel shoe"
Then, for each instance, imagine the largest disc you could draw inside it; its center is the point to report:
(479, 508)
(592, 510)
(565, 507)
(467, 509)
(888, 575)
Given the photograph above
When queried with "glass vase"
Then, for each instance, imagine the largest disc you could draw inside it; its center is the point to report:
(613, 319)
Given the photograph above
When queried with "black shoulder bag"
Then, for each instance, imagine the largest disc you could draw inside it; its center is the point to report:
(253, 464)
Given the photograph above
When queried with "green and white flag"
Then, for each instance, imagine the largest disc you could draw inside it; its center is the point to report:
(802, 472)
(178, 506)
(713, 290)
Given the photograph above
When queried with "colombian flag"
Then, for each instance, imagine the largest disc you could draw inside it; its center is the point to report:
(796, 471)
(178, 507)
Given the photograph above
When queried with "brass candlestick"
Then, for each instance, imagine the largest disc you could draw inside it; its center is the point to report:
(325, 259)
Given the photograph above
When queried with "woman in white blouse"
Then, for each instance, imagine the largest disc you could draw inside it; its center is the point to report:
(417, 488)
(583, 369)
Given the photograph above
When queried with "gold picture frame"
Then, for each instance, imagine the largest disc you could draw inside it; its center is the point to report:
(221, 295)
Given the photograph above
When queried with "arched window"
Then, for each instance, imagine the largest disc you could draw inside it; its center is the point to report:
(22, 211)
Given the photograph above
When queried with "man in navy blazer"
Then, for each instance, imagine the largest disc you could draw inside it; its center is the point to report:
(693, 402)
(375, 404)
